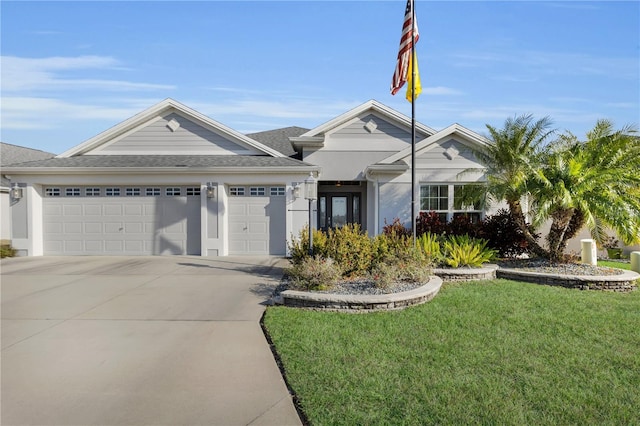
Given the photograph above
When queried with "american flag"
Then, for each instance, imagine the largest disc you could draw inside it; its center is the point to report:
(406, 43)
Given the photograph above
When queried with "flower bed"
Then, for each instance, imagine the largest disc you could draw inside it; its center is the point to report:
(569, 275)
(361, 302)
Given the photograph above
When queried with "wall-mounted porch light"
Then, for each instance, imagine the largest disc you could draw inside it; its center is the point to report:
(16, 192)
(297, 191)
(211, 190)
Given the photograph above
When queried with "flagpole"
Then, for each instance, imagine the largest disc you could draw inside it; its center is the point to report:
(413, 122)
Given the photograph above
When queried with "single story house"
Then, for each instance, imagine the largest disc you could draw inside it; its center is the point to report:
(172, 181)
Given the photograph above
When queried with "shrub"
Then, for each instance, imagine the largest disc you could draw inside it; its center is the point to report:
(462, 250)
(7, 251)
(350, 248)
(384, 275)
(430, 222)
(299, 247)
(396, 228)
(504, 235)
(463, 225)
(314, 273)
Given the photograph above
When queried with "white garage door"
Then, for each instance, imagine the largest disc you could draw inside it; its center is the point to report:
(257, 221)
(121, 220)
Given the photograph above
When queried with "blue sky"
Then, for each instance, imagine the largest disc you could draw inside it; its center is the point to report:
(71, 70)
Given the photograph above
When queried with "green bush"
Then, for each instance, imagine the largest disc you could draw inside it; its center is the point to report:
(7, 251)
(351, 248)
(299, 247)
(314, 273)
(462, 250)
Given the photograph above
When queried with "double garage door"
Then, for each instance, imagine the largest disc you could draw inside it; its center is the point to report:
(165, 220)
(122, 220)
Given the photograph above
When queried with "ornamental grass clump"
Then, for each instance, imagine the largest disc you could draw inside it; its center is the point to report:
(314, 273)
(462, 250)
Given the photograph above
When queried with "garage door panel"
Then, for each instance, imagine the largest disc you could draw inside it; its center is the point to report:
(113, 228)
(133, 210)
(73, 228)
(72, 210)
(93, 246)
(112, 210)
(237, 209)
(55, 209)
(258, 228)
(92, 228)
(92, 209)
(114, 247)
(75, 246)
(54, 227)
(133, 228)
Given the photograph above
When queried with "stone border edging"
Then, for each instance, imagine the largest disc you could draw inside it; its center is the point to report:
(362, 303)
(486, 272)
(622, 282)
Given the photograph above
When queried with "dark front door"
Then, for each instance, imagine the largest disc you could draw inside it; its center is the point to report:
(337, 209)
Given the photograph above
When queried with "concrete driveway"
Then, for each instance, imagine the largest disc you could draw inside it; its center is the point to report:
(139, 341)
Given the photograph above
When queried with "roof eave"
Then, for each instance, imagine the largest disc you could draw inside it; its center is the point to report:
(155, 170)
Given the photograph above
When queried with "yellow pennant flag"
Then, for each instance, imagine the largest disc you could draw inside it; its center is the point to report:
(418, 88)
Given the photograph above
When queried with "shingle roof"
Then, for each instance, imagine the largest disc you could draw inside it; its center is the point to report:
(177, 161)
(278, 139)
(12, 154)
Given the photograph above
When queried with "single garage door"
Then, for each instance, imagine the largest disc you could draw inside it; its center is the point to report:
(257, 220)
(121, 220)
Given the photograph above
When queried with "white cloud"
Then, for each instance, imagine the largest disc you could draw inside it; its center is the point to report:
(48, 113)
(33, 74)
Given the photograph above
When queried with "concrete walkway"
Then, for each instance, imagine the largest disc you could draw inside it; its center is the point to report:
(139, 341)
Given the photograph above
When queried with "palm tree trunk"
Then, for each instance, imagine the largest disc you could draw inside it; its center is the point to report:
(560, 232)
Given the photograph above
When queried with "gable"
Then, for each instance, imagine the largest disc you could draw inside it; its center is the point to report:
(369, 132)
(449, 152)
(172, 134)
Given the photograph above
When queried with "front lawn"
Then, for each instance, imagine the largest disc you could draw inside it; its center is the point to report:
(498, 352)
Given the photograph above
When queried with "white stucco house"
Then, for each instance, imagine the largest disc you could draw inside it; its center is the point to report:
(171, 180)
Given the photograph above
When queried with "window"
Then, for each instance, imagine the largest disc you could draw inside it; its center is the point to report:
(236, 191)
(277, 191)
(172, 192)
(52, 192)
(257, 191)
(451, 201)
(112, 192)
(193, 191)
(434, 197)
(92, 192)
(132, 192)
(152, 192)
(72, 192)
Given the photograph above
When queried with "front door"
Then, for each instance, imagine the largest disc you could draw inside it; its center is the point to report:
(337, 209)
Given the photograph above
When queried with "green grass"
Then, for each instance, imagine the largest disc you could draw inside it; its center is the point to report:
(614, 264)
(498, 352)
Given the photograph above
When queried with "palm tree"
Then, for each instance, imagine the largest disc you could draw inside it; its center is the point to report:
(593, 183)
(510, 159)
